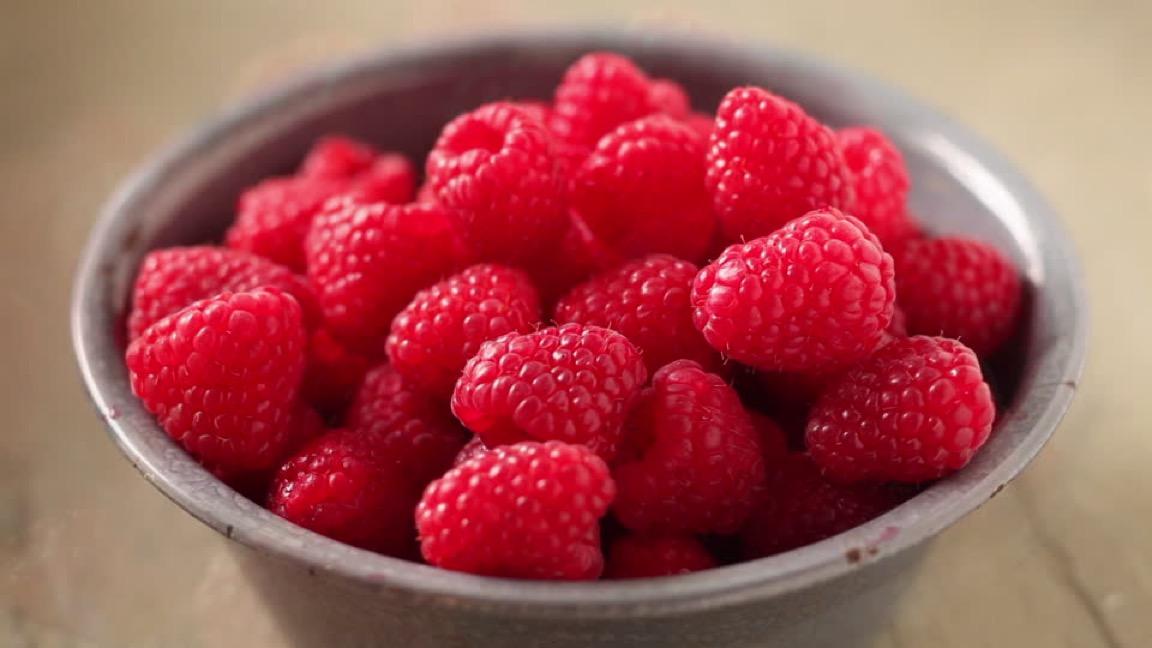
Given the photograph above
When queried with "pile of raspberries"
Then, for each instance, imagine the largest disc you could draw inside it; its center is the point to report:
(607, 336)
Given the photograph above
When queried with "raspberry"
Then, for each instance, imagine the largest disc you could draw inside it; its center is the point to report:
(702, 123)
(445, 324)
(773, 439)
(812, 296)
(222, 375)
(497, 167)
(693, 458)
(799, 507)
(916, 410)
(898, 327)
(879, 183)
(529, 510)
(474, 448)
(414, 429)
(769, 162)
(367, 261)
(343, 487)
(337, 157)
(273, 217)
(389, 179)
(173, 278)
(669, 97)
(642, 190)
(571, 383)
(332, 375)
(959, 288)
(304, 425)
(647, 556)
(599, 92)
(648, 302)
(579, 255)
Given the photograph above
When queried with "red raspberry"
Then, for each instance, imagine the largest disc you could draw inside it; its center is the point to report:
(337, 157)
(669, 97)
(273, 217)
(222, 375)
(799, 506)
(599, 92)
(538, 110)
(579, 255)
(879, 183)
(648, 302)
(773, 439)
(916, 410)
(414, 429)
(648, 556)
(696, 463)
(770, 162)
(529, 510)
(332, 375)
(899, 325)
(173, 278)
(390, 179)
(497, 167)
(367, 261)
(702, 123)
(445, 324)
(304, 425)
(474, 448)
(959, 288)
(343, 487)
(642, 190)
(812, 296)
(571, 383)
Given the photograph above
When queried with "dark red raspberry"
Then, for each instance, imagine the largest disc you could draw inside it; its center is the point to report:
(599, 92)
(445, 324)
(769, 162)
(958, 288)
(337, 157)
(799, 506)
(333, 374)
(648, 302)
(693, 461)
(414, 429)
(273, 217)
(222, 376)
(669, 97)
(879, 183)
(773, 439)
(389, 179)
(918, 409)
(173, 278)
(496, 166)
(812, 296)
(570, 383)
(642, 190)
(648, 556)
(367, 261)
(529, 510)
(343, 487)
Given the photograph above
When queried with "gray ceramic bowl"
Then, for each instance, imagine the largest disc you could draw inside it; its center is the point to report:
(830, 593)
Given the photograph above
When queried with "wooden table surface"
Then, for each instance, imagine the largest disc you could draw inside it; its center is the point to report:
(90, 555)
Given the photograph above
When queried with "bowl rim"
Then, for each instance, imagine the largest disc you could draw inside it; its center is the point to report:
(922, 517)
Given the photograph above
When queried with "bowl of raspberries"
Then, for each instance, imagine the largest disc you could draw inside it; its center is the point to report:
(573, 339)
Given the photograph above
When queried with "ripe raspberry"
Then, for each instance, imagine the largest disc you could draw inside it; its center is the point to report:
(445, 324)
(366, 261)
(647, 301)
(222, 375)
(773, 439)
(273, 217)
(173, 278)
(898, 327)
(669, 97)
(497, 167)
(529, 510)
(799, 506)
(879, 183)
(579, 255)
(958, 288)
(702, 123)
(389, 179)
(648, 556)
(474, 448)
(769, 162)
(304, 425)
(337, 157)
(571, 383)
(916, 410)
(333, 374)
(693, 458)
(812, 296)
(642, 190)
(599, 92)
(414, 429)
(343, 487)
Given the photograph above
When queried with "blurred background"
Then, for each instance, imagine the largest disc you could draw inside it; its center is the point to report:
(91, 555)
